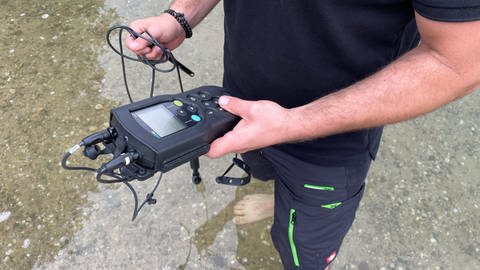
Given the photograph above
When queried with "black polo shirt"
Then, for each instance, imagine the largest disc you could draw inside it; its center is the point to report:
(296, 51)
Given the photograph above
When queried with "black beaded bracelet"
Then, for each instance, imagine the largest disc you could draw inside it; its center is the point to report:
(181, 20)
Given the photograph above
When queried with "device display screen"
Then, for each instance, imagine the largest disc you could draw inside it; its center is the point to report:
(159, 119)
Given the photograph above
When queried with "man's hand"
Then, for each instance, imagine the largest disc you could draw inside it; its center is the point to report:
(164, 28)
(263, 123)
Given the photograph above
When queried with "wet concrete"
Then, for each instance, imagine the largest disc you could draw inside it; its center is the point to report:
(59, 80)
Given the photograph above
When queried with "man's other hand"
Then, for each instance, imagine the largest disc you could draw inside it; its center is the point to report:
(164, 28)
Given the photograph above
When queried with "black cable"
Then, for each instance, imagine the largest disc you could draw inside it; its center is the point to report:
(122, 57)
(109, 168)
(180, 80)
(167, 55)
(153, 83)
(149, 198)
(74, 168)
(119, 179)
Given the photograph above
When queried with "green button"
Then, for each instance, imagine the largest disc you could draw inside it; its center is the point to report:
(178, 103)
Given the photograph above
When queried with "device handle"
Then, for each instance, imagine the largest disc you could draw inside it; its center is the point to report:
(235, 181)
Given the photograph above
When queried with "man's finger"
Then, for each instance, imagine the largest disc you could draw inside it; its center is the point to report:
(154, 54)
(235, 105)
(217, 149)
(223, 145)
(138, 45)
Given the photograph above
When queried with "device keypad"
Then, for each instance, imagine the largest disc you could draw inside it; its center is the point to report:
(211, 105)
(189, 106)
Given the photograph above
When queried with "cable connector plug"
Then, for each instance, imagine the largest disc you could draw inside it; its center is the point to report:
(120, 161)
(97, 137)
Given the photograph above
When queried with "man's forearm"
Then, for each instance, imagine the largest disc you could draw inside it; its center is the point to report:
(415, 84)
(194, 10)
(443, 68)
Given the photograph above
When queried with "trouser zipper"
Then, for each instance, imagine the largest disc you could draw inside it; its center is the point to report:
(291, 226)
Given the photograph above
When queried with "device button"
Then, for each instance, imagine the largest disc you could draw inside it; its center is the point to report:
(215, 101)
(181, 112)
(193, 98)
(208, 103)
(178, 103)
(196, 118)
(205, 96)
(191, 109)
(210, 113)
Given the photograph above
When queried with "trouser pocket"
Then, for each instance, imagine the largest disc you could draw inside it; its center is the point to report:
(307, 236)
(316, 233)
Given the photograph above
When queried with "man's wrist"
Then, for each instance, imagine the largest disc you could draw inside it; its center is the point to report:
(299, 125)
(182, 21)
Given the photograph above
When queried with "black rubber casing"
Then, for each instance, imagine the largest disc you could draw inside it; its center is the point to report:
(165, 153)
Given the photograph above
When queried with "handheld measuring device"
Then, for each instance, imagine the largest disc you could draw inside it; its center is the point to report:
(169, 130)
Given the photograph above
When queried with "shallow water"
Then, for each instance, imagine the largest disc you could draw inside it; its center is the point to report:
(49, 84)
(58, 83)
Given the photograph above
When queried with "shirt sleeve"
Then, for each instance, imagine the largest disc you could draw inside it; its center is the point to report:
(448, 10)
